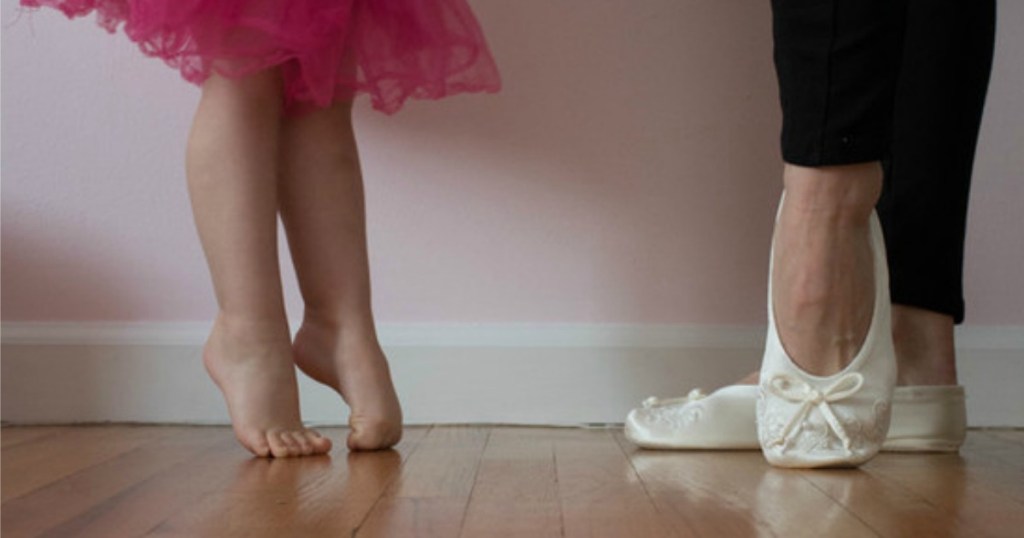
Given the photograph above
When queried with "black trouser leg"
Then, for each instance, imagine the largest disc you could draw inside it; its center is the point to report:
(940, 94)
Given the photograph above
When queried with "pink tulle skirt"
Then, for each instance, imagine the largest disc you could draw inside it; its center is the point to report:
(327, 50)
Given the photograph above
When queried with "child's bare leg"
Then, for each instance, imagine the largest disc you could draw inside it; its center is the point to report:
(323, 211)
(232, 168)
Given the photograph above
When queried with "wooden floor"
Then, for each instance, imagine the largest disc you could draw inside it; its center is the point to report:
(116, 481)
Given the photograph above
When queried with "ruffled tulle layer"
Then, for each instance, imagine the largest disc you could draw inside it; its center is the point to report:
(327, 50)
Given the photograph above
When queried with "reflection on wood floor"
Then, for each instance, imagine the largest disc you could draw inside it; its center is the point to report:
(114, 481)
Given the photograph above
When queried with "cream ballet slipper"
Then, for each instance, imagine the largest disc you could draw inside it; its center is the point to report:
(925, 418)
(840, 420)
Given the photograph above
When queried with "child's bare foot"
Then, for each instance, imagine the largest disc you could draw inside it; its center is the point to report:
(253, 368)
(355, 366)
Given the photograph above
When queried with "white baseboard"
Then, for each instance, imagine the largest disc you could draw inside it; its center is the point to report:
(461, 373)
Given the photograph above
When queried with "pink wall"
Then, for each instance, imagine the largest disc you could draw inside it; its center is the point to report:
(626, 174)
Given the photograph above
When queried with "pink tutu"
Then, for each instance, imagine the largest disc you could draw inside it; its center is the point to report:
(328, 49)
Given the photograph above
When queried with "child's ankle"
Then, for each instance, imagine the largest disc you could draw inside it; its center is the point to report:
(250, 328)
(347, 329)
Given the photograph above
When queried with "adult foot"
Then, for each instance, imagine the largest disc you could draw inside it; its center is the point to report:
(823, 274)
(354, 365)
(925, 349)
(251, 363)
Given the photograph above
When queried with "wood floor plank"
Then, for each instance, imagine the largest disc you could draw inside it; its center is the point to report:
(14, 435)
(138, 509)
(793, 506)
(516, 489)
(31, 465)
(600, 493)
(113, 481)
(49, 506)
(952, 485)
(736, 493)
(889, 509)
(431, 496)
(309, 497)
(996, 463)
(688, 489)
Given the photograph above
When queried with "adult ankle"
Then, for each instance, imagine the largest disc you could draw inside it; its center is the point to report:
(925, 347)
(840, 195)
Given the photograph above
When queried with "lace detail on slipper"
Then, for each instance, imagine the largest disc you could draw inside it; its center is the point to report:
(693, 396)
(674, 413)
(799, 432)
(797, 391)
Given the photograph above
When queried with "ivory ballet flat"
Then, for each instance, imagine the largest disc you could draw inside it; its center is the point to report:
(724, 420)
(927, 418)
(924, 419)
(841, 420)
